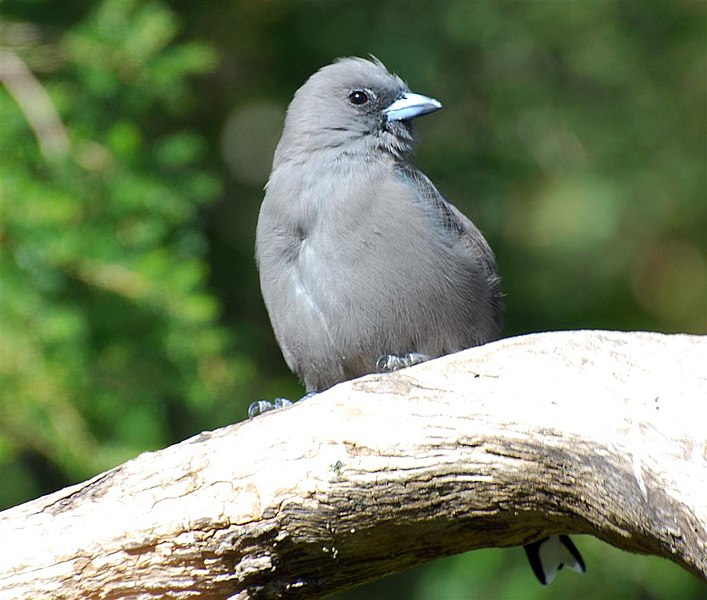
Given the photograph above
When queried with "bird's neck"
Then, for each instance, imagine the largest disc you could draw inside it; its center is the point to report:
(332, 148)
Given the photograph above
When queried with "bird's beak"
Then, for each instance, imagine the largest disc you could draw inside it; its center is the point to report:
(409, 106)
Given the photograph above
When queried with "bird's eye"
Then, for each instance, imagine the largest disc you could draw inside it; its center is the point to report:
(358, 97)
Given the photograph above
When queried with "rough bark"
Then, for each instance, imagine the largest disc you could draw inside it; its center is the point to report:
(576, 432)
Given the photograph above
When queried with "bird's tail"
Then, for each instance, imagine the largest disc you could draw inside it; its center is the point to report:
(548, 555)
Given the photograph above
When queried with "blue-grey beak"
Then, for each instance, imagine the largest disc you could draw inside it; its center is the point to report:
(409, 106)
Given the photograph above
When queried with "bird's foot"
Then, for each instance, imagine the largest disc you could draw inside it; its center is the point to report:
(394, 362)
(263, 406)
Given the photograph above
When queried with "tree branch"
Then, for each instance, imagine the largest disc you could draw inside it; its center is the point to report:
(574, 432)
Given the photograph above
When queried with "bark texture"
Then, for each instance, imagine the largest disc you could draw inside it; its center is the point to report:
(576, 432)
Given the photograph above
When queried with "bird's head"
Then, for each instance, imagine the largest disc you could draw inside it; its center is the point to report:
(354, 106)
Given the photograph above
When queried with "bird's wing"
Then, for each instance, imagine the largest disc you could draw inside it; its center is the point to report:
(456, 224)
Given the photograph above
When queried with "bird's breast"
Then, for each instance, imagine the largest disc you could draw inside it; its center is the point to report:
(339, 224)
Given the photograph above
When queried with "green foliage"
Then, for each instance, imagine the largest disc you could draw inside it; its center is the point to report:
(108, 326)
(572, 133)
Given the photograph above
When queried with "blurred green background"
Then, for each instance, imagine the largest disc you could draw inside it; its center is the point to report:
(136, 137)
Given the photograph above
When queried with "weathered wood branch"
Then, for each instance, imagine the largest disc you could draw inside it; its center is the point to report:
(576, 432)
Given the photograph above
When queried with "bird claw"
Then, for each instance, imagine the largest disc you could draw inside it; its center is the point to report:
(263, 406)
(394, 362)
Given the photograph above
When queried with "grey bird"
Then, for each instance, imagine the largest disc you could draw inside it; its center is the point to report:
(364, 265)
(360, 256)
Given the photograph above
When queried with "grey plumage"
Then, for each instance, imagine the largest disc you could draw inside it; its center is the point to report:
(363, 263)
(359, 255)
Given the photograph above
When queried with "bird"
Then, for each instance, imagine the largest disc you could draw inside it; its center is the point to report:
(364, 265)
